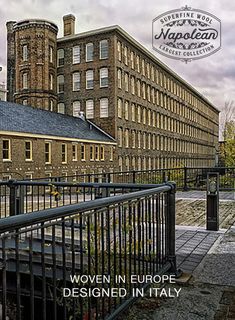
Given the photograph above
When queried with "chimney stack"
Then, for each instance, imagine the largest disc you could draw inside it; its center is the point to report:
(69, 25)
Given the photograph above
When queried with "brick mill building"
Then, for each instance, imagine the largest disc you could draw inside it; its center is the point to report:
(157, 119)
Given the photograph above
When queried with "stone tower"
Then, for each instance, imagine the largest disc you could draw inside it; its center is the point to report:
(32, 75)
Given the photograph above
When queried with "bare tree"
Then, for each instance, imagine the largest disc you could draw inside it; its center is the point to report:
(226, 115)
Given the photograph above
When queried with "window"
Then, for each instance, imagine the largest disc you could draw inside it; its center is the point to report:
(119, 51)
(25, 80)
(92, 153)
(104, 108)
(138, 63)
(60, 83)
(6, 150)
(143, 67)
(119, 108)
(143, 90)
(61, 108)
(126, 110)
(51, 81)
(111, 153)
(104, 53)
(133, 112)
(138, 88)
(89, 79)
(125, 56)
(89, 52)
(47, 152)
(127, 138)
(120, 137)
(119, 78)
(64, 153)
(83, 152)
(101, 153)
(76, 54)
(28, 150)
(90, 109)
(126, 79)
(25, 52)
(74, 152)
(50, 54)
(133, 139)
(76, 108)
(76, 81)
(132, 60)
(104, 77)
(25, 102)
(60, 57)
(139, 114)
(132, 85)
(97, 154)
(51, 105)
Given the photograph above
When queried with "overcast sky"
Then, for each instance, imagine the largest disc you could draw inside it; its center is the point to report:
(213, 76)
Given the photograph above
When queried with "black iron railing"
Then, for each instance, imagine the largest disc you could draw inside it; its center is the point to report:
(186, 178)
(119, 235)
(27, 196)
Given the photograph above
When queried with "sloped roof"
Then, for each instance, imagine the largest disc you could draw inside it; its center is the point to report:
(25, 119)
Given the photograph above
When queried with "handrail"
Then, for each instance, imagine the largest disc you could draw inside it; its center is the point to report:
(81, 184)
(25, 220)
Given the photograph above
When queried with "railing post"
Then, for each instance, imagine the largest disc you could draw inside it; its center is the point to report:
(12, 198)
(185, 179)
(171, 227)
(134, 177)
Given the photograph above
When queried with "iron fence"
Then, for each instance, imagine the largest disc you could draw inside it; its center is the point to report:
(186, 178)
(23, 196)
(120, 235)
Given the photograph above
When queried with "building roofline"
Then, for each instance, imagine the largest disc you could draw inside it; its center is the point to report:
(126, 35)
(98, 128)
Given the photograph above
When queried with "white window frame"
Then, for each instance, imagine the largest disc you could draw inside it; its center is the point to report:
(61, 108)
(25, 52)
(8, 149)
(76, 81)
(104, 108)
(25, 80)
(89, 109)
(47, 152)
(76, 108)
(89, 79)
(30, 150)
(76, 54)
(104, 77)
(89, 46)
(74, 151)
(104, 52)
(64, 153)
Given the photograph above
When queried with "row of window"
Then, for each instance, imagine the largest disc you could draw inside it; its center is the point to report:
(148, 163)
(96, 152)
(76, 80)
(148, 70)
(144, 140)
(89, 52)
(153, 95)
(139, 114)
(89, 108)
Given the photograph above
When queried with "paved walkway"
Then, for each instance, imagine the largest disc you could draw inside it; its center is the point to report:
(192, 244)
(201, 195)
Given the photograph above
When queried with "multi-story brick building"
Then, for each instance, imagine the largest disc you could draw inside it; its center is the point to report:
(38, 143)
(158, 119)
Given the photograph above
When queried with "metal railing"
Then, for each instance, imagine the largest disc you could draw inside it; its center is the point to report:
(120, 235)
(186, 178)
(27, 196)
